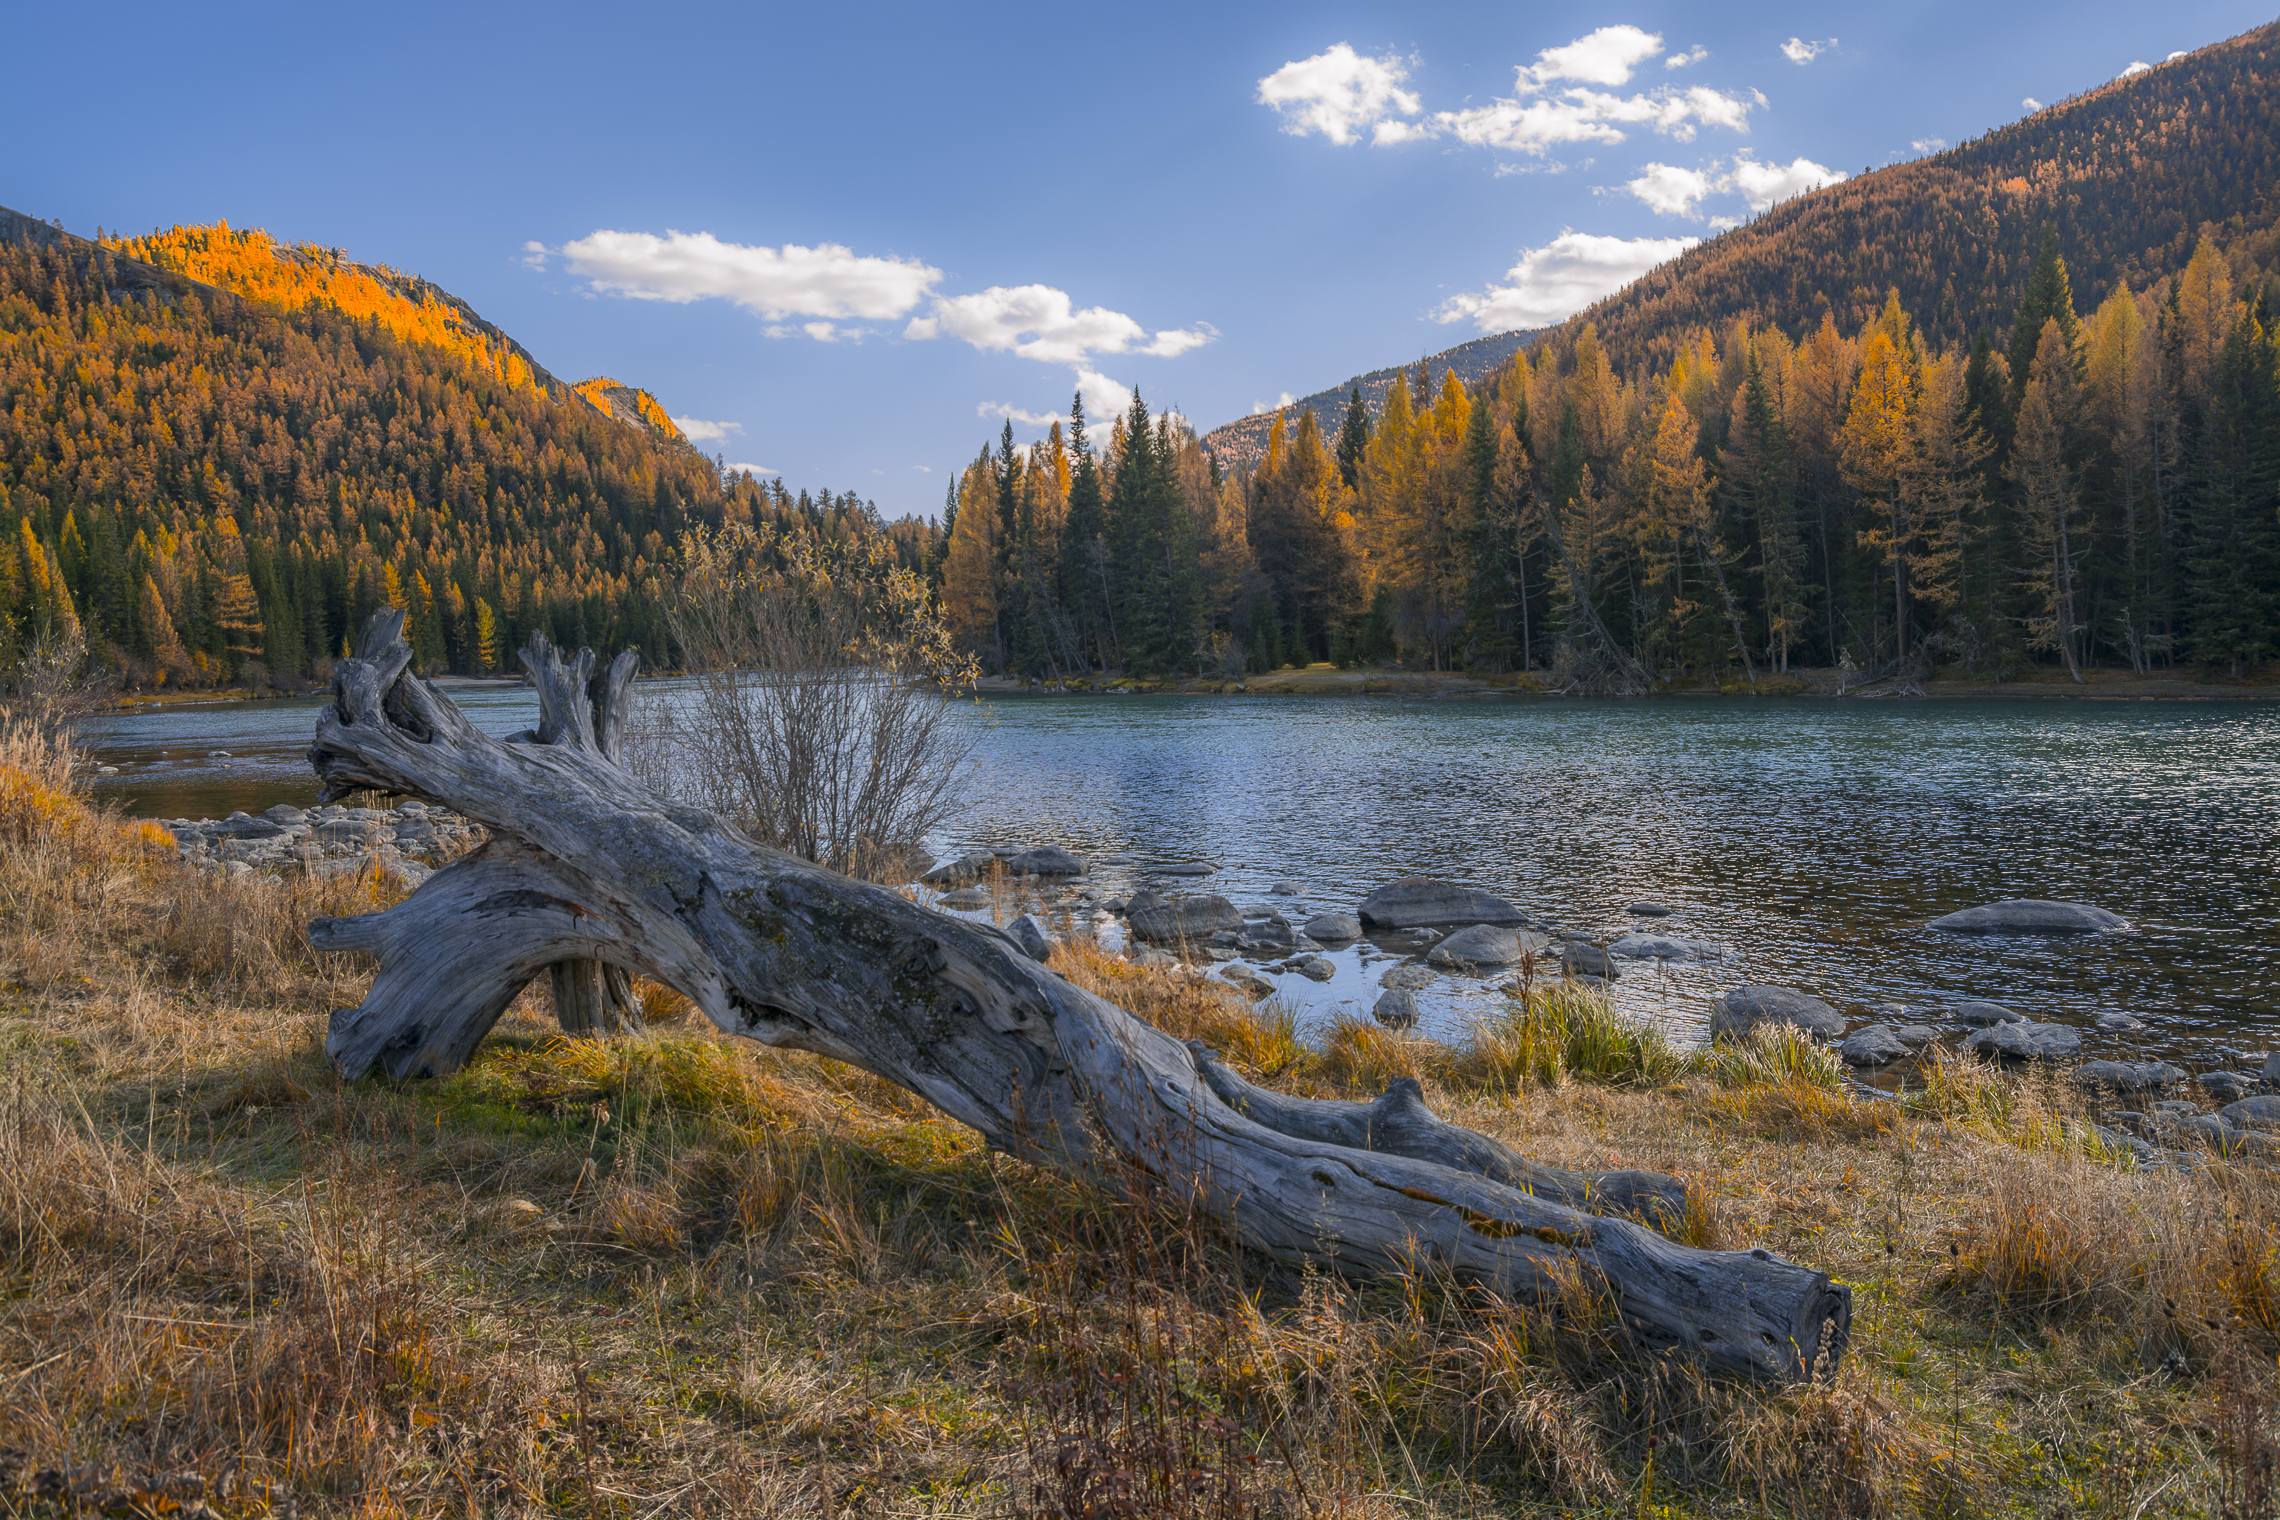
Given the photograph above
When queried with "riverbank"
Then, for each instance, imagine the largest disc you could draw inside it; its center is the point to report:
(675, 1274)
(1327, 680)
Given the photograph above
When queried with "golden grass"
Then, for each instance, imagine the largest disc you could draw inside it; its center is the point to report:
(672, 1274)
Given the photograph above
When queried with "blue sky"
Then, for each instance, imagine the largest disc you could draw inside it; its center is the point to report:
(849, 240)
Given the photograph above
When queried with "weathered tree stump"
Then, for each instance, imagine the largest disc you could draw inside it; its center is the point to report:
(585, 864)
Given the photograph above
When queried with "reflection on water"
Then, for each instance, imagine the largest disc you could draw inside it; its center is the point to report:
(1814, 839)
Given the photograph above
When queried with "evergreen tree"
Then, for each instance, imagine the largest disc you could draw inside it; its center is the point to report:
(2231, 526)
(1353, 438)
(2049, 298)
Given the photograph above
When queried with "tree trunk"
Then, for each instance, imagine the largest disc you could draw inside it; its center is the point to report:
(583, 863)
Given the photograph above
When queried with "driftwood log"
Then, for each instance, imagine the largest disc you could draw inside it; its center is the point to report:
(585, 864)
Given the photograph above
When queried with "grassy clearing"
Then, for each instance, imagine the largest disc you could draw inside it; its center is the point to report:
(675, 1275)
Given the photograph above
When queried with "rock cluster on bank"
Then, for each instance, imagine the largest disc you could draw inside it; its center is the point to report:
(408, 841)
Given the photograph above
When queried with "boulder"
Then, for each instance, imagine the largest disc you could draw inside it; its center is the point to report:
(2119, 1023)
(961, 870)
(239, 826)
(2272, 1067)
(1315, 968)
(1876, 1045)
(1916, 1036)
(2208, 1130)
(967, 897)
(2228, 1086)
(1285, 889)
(1743, 1009)
(1638, 946)
(1478, 945)
(1254, 985)
(1029, 932)
(2128, 1076)
(1581, 959)
(2029, 1042)
(1407, 976)
(285, 813)
(2032, 915)
(1396, 1008)
(1267, 934)
(1045, 860)
(1650, 910)
(1419, 900)
(1163, 920)
(2260, 1112)
(1154, 960)
(1980, 1015)
(1189, 869)
(1333, 926)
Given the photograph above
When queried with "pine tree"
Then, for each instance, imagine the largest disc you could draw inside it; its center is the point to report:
(1353, 438)
(2231, 549)
(2044, 467)
(2049, 298)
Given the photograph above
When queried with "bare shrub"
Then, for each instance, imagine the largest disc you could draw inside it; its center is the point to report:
(821, 722)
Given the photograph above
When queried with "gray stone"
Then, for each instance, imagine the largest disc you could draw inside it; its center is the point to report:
(1116, 860)
(1254, 985)
(1029, 933)
(967, 897)
(961, 870)
(2272, 1067)
(1407, 976)
(1162, 919)
(1580, 959)
(1112, 905)
(2228, 1086)
(2128, 1076)
(1876, 1045)
(2029, 1042)
(1155, 960)
(2260, 1112)
(1980, 1015)
(1744, 1008)
(1189, 869)
(1334, 926)
(1045, 860)
(1285, 889)
(1420, 900)
(1268, 934)
(1478, 945)
(237, 868)
(1396, 1008)
(1650, 910)
(1915, 1036)
(1638, 946)
(1316, 968)
(2175, 1106)
(284, 813)
(219, 754)
(2032, 915)
(2208, 1129)
(2119, 1023)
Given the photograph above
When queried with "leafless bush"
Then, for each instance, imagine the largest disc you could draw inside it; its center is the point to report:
(821, 718)
(49, 687)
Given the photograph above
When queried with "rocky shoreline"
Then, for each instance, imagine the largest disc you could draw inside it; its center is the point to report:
(1428, 928)
(408, 841)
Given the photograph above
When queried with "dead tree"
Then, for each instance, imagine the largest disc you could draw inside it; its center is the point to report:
(584, 864)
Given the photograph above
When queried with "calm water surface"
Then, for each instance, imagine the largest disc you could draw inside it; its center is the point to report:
(1815, 840)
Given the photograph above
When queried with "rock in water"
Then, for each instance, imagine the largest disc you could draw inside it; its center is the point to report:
(1744, 1008)
(1650, 910)
(2128, 1076)
(1267, 934)
(1478, 945)
(1045, 860)
(1661, 947)
(1190, 869)
(1029, 933)
(964, 870)
(1333, 926)
(2032, 915)
(1407, 976)
(967, 897)
(2119, 1023)
(1316, 968)
(1254, 985)
(1877, 1045)
(1419, 900)
(1581, 959)
(2227, 1086)
(1980, 1015)
(1163, 920)
(1285, 889)
(1396, 1008)
(2029, 1042)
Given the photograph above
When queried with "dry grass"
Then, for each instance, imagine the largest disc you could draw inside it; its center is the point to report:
(670, 1274)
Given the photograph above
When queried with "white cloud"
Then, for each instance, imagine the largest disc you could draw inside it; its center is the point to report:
(1798, 51)
(1039, 322)
(1767, 185)
(2173, 57)
(1927, 144)
(1686, 59)
(1104, 398)
(534, 254)
(753, 469)
(824, 281)
(1595, 116)
(697, 430)
(923, 469)
(1339, 93)
(1015, 414)
(1725, 223)
(2031, 103)
(1607, 56)
(1560, 279)
(1671, 191)
(1261, 408)
(2139, 67)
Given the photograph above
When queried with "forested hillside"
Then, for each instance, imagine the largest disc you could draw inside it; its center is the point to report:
(1874, 429)
(215, 461)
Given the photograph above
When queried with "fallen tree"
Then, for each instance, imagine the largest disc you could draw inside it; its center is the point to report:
(585, 865)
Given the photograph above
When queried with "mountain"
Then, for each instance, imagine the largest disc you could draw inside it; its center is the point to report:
(219, 454)
(2126, 174)
(1243, 443)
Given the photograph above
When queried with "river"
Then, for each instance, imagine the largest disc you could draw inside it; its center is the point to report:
(1815, 839)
